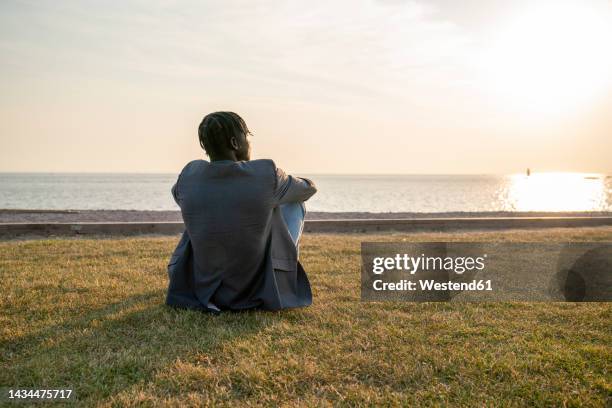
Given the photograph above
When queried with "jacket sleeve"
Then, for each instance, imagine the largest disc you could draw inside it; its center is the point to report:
(175, 191)
(291, 189)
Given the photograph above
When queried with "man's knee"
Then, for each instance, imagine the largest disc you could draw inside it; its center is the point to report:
(293, 209)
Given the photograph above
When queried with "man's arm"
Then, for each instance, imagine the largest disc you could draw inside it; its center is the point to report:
(290, 189)
(174, 191)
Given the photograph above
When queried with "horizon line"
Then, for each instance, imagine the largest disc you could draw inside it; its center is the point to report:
(313, 174)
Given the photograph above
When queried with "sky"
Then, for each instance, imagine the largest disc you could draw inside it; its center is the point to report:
(343, 86)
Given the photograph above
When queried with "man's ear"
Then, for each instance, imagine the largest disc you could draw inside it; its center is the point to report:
(234, 145)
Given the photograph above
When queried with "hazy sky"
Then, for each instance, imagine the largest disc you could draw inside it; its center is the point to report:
(355, 86)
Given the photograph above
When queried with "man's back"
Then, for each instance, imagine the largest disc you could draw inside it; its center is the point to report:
(241, 257)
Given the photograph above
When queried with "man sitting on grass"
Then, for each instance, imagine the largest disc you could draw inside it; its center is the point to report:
(243, 220)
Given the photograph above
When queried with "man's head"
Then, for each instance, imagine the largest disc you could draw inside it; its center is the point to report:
(223, 136)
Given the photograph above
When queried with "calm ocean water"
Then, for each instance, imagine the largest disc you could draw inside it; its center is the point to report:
(377, 193)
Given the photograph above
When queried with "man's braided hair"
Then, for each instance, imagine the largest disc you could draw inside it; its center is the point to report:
(216, 130)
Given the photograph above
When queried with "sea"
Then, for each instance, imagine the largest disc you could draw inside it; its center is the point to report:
(336, 193)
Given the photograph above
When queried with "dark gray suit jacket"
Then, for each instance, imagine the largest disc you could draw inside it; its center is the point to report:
(236, 251)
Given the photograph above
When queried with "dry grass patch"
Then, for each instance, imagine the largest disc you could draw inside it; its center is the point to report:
(89, 313)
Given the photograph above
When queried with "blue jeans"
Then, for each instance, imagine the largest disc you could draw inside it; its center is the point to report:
(293, 214)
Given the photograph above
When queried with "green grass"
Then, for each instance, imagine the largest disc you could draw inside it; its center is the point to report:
(88, 313)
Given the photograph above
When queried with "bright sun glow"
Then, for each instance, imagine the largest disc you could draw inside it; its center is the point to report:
(552, 59)
(556, 192)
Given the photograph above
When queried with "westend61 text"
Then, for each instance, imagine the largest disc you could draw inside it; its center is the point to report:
(428, 284)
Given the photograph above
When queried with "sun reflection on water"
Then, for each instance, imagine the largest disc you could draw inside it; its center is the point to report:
(556, 192)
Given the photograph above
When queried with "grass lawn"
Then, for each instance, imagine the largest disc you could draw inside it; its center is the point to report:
(88, 314)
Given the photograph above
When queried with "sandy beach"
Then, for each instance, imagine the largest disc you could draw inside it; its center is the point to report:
(61, 216)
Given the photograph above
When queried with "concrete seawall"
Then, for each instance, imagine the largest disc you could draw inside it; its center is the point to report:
(331, 226)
